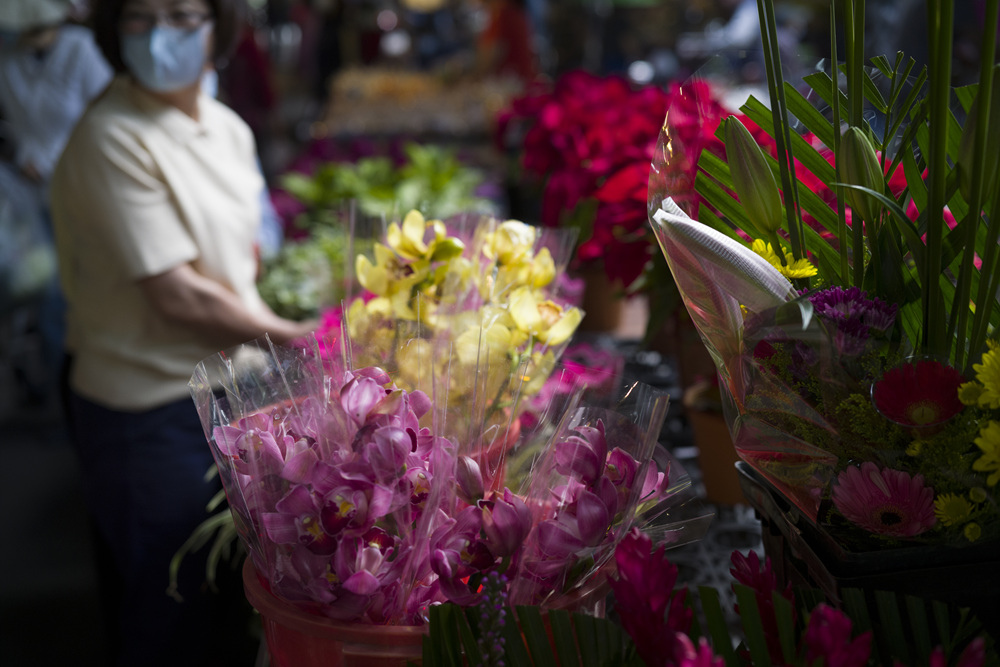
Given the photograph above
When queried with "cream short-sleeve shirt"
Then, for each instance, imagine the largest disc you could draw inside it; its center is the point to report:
(140, 189)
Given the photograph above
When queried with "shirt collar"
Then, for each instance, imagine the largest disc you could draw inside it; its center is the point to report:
(177, 124)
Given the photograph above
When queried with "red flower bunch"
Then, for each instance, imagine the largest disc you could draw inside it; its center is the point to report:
(658, 616)
(592, 138)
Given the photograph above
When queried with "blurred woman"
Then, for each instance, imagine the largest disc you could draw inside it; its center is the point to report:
(49, 71)
(156, 204)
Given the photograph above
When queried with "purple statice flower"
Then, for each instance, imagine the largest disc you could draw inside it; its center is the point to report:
(493, 617)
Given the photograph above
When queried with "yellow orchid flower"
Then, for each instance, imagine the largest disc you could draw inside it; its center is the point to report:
(486, 344)
(545, 320)
(408, 239)
(419, 365)
(538, 371)
(511, 242)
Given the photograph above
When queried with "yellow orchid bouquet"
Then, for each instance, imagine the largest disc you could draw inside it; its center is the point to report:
(467, 311)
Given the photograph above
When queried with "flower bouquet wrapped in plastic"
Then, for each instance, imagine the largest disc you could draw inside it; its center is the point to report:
(844, 280)
(468, 311)
(377, 471)
(353, 506)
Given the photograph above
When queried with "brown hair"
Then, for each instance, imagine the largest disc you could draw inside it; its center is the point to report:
(229, 16)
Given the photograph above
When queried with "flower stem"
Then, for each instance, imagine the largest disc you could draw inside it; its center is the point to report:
(940, 20)
(845, 271)
(984, 97)
(854, 23)
(782, 134)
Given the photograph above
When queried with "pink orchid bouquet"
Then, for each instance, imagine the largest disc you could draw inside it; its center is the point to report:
(380, 467)
(843, 275)
(353, 506)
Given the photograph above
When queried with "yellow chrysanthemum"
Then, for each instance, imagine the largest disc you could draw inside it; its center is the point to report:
(969, 393)
(989, 442)
(977, 494)
(972, 531)
(792, 268)
(915, 447)
(988, 374)
(951, 510)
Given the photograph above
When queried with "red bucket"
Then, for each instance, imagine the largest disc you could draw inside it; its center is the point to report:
(298, 639)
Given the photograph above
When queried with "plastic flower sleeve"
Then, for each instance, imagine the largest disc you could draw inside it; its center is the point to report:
(332, 480)
(465, 310)
(596, 474)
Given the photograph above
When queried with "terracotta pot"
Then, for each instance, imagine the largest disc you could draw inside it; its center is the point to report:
(298, 639)
(602, 300)
(717, 456)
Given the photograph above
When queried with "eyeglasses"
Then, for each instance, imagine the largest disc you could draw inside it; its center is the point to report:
(138, 22)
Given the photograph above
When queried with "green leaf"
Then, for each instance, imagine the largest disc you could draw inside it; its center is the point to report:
(919, 628)
(562, 634)
(515, 651)
(533, 628)
(753, 627)
(785, 618)
(891, 624)
(721, 200)
(586, 639)
(718, 629)
(856, 607)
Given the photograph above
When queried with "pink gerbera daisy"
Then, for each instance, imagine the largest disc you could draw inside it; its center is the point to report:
(919, 393)
(884, 501)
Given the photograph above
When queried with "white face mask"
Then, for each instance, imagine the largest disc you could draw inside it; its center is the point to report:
(166, 59)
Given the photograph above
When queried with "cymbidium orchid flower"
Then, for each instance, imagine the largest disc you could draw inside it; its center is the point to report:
(544, 320)
(457, 552)
(251, 444)
(506, 523)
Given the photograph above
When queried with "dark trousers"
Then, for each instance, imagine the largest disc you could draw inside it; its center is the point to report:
(143, 478)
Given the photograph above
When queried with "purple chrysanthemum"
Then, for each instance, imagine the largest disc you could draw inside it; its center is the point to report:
(852, 304)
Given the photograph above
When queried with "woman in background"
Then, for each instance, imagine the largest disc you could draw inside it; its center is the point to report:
(156, 204)
(50, 70)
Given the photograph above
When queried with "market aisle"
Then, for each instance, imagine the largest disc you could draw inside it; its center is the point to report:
(49, 609)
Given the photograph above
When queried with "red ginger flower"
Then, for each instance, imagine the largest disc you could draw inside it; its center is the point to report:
(644, 590)
(747, 570)
(828, 638)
